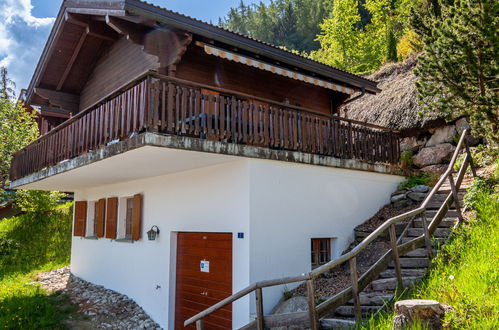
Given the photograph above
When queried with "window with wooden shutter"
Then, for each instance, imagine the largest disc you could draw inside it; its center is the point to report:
(320, 251)
(100, 211)
(136, 216)
(80, 218)
(111, 217)
(128, 217)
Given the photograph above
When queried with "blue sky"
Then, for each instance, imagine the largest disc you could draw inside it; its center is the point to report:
(25, 25)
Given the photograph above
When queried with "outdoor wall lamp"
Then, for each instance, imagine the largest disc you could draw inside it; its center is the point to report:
(151, 234)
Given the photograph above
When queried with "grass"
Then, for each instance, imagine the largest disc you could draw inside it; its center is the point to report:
(466, 274)
(32, 243)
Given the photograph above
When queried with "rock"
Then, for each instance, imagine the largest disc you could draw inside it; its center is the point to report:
(461, 125)
(402, 204)
(430, 312)
(411, 143)
(416, 196)
(397, 198)
(420, 188)
(437, 169)
(293, 304)
(442, 135)
(398, 192)
(434, 155)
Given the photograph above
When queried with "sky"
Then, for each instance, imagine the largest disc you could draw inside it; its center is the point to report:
(26, 24)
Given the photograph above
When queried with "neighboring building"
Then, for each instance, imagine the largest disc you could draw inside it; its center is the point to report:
(231, 147)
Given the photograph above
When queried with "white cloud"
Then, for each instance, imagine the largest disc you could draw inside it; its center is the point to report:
(22, 37)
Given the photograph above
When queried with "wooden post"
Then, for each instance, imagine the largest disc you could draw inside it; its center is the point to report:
(200, 324)
(427, 237)
(456, 197)
(396, 260)
(355, 287)
(314, 324)
(260, 321)
(472, 164)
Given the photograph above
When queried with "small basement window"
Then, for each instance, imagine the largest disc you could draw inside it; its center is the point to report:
(320, 251)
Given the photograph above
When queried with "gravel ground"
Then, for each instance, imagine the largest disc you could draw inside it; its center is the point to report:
(103, 308)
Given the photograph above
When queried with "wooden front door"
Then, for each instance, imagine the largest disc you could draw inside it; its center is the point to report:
(204, 277)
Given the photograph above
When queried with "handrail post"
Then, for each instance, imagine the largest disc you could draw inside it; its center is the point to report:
(427, 237)
(456, 197)
(311, 305)
(260, 321)
(355, 287)
(472, 164)
(396, 260)
(200, 324)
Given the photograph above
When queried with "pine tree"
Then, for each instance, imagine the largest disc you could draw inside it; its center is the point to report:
(6, 85)
(458, 71)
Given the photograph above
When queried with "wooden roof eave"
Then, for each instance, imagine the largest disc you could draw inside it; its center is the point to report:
(182, 22)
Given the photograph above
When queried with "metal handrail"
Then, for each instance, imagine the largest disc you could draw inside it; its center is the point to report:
(347, 256)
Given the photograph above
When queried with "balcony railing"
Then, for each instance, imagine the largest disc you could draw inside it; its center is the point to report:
(172, 106)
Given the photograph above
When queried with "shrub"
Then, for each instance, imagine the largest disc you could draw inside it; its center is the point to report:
(37, 201)
(406, 159)
(422, 178)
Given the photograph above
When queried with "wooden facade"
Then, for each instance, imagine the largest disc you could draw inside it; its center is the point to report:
(117, 71)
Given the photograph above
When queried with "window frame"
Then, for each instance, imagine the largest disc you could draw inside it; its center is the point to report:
(317, 251)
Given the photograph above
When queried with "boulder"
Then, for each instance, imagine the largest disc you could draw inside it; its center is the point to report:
(461, 125)
(411, 143)
(402, 204)
(416, 196)
(429, 312)
(399, 197)
(442, 135)
(292, 305)
(438, 154)
(420, 188)
(437, 169)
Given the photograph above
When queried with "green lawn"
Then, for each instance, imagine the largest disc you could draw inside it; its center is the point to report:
(32, 243)
(466, 274)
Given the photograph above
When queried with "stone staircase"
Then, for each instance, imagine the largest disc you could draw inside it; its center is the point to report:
(414, 265)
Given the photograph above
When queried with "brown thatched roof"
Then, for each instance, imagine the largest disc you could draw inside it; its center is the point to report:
(396, 106)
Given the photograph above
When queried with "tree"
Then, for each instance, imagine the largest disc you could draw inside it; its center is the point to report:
(292, 24)
(6, 84)
(458, 71)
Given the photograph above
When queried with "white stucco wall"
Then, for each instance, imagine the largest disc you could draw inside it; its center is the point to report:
(279, 206)
(291, 203)
(210, 199)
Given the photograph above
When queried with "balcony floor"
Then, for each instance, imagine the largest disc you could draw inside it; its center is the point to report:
(152, 154)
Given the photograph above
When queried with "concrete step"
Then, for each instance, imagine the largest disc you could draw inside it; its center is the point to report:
(390, 284)
(452, 213)
(331, 323)
(373, 298)
(445, 223)
(440, 232)
(418, 253)
(348, 310)
(436, 241)
(412, 263)
(406, 272)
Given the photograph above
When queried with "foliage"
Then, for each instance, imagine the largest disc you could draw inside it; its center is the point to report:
(422, 178)
(289, 23)
(406, 158)
(458, 70)
(408, 45)
(6, 85)
(37, 201)
(465, 274)
(33, 240)
(17, 129)
(483, 156)
(349, 44)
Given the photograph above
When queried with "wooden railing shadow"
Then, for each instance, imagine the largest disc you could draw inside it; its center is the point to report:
(310, 318)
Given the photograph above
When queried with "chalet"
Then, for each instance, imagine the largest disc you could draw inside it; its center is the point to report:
(201, 160)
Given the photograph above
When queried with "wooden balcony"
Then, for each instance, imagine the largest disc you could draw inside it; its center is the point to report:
(172, 106)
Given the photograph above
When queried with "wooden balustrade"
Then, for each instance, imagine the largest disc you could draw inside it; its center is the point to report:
(173, 106)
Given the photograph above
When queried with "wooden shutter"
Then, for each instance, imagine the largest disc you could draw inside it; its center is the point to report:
(99, 218)
(136, 216)
(80, 218)
(111, 217)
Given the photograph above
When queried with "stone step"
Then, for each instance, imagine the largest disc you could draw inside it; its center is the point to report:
(436, 241)
(452, 213)
(439, 232)
(418, 253)
(348, 310)
(373, 298)
(445, 223)
(439, 199)
(331, 323)
(406, 272)
(390, 284)
(412, 263)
